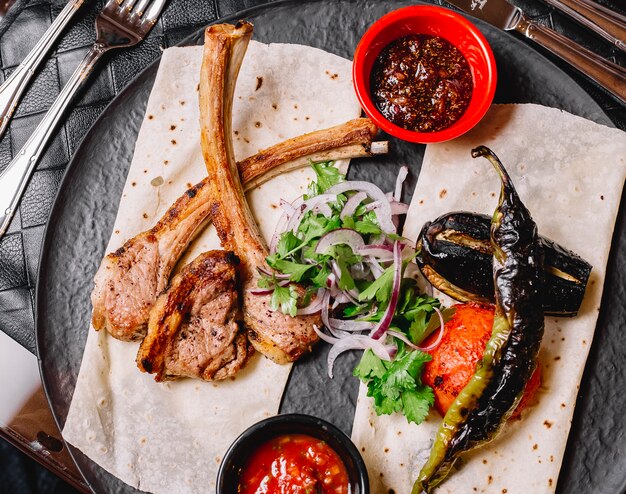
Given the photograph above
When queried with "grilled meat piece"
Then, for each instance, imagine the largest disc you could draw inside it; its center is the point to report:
(193, 329)
(280, 337)
(130, 279)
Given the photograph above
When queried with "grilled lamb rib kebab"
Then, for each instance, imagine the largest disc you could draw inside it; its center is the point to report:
(280, 337)
(193, 329)
(130, 279)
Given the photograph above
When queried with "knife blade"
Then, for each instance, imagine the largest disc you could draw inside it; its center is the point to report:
(506, 16)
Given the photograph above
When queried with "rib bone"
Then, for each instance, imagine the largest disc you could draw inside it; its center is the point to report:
(278, 336)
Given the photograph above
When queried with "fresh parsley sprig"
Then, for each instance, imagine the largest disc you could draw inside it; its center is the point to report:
(395, 386)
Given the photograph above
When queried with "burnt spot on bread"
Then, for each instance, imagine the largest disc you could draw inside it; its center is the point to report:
(173, 142)
(172, 127)
(150, 117)
(259, 83)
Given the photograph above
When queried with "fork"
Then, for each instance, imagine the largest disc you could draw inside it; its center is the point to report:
(120, 24)
(12, 89)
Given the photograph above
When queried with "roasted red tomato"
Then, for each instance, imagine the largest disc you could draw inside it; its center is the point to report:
(462, 346)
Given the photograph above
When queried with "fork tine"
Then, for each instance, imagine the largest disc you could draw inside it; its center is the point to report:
(112, 6)
(153, 12)
(140, 8)
(127, 5)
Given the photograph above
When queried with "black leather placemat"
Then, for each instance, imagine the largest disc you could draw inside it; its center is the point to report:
(19, 31)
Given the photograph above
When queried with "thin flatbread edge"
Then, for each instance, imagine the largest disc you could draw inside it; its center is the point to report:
(170, 437)
(570, 174)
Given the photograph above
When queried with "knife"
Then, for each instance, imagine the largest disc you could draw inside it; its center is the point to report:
(503, 15)
(608, 24)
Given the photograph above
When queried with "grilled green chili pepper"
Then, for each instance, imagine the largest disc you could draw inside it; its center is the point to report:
(484, 405)
(455, 255)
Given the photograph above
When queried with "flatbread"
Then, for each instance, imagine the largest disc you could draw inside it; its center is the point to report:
(570, 174)
(170, 437)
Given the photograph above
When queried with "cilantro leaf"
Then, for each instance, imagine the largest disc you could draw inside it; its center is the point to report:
(367, 227)
(417, 402)
(327, 175)
(397, 386)
(380, 288)
(287, 244)
(369, 367)
(295, 270)
(285, 298)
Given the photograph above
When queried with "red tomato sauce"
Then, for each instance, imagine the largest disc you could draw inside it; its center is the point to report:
(294, 464)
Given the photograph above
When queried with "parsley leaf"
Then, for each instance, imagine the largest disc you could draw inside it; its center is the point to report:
(287, 244)
(367, 227)
(326, 176)
(295, 270)
(380, 288)
(397, 386)
(285, 298)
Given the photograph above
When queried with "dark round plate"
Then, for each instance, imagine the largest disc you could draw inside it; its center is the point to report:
(84, 212)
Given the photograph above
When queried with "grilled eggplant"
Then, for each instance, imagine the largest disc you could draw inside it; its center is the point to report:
(485, 404)
(455, 253)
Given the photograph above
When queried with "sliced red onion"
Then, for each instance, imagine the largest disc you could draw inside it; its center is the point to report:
(326, 320)
(289, 209)
(327, 338)
(383, 210)
(382, 327)
(382, 252)
(323, 208)
(375, 267)
(373, 205)
(399, 208)
(315, 305)
(352, 204)
(359, 271)
(402, 174)
(324, 313)
(357, 341)
(307, 206)
(432, 346)
(345, 236)
(351, 325)
(275, 274)
(262, 291)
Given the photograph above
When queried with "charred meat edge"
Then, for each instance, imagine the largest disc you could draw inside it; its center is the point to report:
(208, 282)
(280, 337)
(190, 213)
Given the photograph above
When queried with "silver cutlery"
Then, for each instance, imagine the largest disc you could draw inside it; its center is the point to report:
(608, 24)
(13, 87)
(503, 15)
(120, 24)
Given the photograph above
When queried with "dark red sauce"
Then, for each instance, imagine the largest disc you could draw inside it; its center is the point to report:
(421, 82)
(294, 464)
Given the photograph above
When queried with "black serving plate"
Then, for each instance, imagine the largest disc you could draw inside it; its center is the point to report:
(84, 212)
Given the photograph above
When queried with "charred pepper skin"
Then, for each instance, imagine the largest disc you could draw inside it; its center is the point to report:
(485, 404)
(455, 255)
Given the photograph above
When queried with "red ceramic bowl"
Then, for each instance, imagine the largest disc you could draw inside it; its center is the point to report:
(436, 21)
